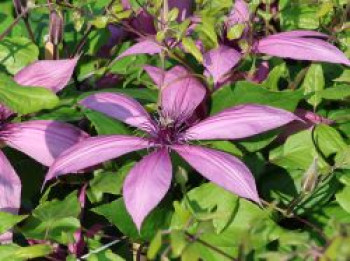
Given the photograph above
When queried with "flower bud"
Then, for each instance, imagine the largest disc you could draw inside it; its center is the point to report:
(310, 177)
(20, 6)
(56, 28)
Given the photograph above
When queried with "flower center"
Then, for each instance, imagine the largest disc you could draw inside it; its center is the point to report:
(169, 131)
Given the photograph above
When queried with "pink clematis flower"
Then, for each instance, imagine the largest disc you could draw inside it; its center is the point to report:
(297, 45)
(172, 130)
(40, 139)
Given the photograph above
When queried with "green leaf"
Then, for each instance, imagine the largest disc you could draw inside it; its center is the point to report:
(108, 182)
(297, 16)
(16, 53)
(246, 92)
(314, 83)
(16, 253)
(155, 246)
(51, 211)
(296, 153)
(338, 92)
(209, 197)
(329, 140)
(115, 212)
(8, 220)
(236, 31)
(27, 99)
(278, 72)
(343, 198)
(190, 46)
(55, 220)
(105, 125)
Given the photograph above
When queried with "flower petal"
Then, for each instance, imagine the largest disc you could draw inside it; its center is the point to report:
(181, 94)
(42, 140)
(120, 107)
(240, 122)
(93, 151)
(222, 169)
(146, 185)
(157, 74)
(220, 61)
(301, 49)
(146, 46)
(10, 191)
(50, 74)
(239, 13)
(300, 33)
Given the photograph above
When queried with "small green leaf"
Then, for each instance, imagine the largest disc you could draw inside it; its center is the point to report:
(8, 220)
(343, 198)
(155, 246)
(190, 46)
(314, 82)
(236, 31)
(16, 53)
(105, 125)
(26, 99)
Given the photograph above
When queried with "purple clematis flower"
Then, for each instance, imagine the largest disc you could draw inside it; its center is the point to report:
(40, 139)
(297, 45)
(173, 130)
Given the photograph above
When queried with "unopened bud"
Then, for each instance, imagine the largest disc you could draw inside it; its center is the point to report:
(310, 177)
(56, 28)
(20, 6)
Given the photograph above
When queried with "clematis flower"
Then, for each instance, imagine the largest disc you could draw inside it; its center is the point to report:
(297, 45)
(42, 140)
(172, 130)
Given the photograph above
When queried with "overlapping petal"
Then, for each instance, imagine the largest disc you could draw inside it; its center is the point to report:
(93, 151)
(120, 107)
(42, 140)
(146, 185)
(221, 168)
(239, 13)
(240, 122)
(181, 94)
(299, 48)
(10, 192)
(50, 74)
(220, 61)
(157, 74)
(145, 46)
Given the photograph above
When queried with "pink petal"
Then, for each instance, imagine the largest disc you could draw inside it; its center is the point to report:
(240, 122)
(146, 46)
(181, 94)
(184, 7)
(53, 74)
(240, 13)
(42, 140)
(93, 151)
(301, 49)
(10, 191)
(220, 61)
(121, 107)
(157, 74)
(146, 185)
(299, 33)
(262, 72)
(221, 168)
